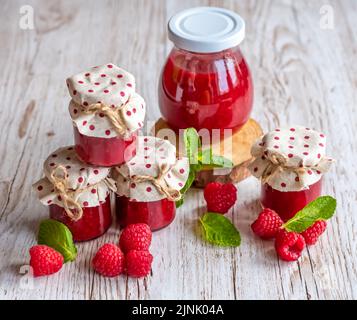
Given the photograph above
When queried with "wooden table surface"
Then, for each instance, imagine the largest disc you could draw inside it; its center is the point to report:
(303, 74)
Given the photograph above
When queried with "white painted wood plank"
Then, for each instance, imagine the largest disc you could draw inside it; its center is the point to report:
(302, 74)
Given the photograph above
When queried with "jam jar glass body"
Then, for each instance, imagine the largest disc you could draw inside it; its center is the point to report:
(157, 214)
(288, 203)
(105, 152)
(94, 222)
(206, 90)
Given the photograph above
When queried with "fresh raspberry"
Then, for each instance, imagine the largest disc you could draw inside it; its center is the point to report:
(109, 260)
(135, 237)
(138, 263)
(267, 224)
(289, 245)
(45, 260)
(220, 197)
(312, 233)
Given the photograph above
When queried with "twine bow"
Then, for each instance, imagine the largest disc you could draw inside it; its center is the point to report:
(160, 183)
(278, 164)
(113, 114)
(60, 183)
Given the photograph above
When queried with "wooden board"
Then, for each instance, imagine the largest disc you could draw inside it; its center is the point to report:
(302, 74)
(235, 147)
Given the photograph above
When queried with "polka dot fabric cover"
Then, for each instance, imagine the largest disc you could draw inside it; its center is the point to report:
(80, 176)
(301, 148)
(112, 86)
(152, 153)
(97, 125)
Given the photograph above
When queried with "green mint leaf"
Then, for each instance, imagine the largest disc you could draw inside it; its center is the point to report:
(210, 161)
(190, 179)
(179, 203)
(193, 151)
(193, 148)
(321, 208)
(57, 236)
(206, 156)
(218, 230)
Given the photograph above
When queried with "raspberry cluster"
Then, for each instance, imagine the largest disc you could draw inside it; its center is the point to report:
(288, 245)
(131, 256)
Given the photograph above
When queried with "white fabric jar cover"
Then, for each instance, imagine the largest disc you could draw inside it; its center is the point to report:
(66, 175)
(290, 159)
(155, 160)
(111, 88)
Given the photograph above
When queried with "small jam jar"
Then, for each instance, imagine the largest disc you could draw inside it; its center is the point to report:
(106, 114)
(290, 163)
(78, 195)
(149, 184)
(206, 82)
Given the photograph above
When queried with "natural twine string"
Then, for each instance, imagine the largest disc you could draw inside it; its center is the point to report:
(159, 183)
(277, 165)
(60, 183)
(113, 114)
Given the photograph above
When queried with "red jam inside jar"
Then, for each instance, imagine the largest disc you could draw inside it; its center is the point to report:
(287, 204)
(206, 90)
(94, 222)
(157, 214)
(102, 151)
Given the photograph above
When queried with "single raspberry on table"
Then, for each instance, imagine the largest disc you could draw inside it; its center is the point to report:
(220, 197)
(267, 224)
(109, 260)
(135, 236)
(45, 260)
(312, 233)
(138, 263)
(289, 245)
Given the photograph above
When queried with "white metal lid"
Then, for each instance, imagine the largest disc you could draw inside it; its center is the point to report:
(206, 29)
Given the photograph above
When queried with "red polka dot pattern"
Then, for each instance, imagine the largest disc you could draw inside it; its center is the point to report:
(147, 162)
(97, 125)
(301, 147)
(78, 176)
(107, 83)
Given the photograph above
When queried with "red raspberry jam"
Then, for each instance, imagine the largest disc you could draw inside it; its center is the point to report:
(157, 214)
(94, 222)
(206, 90)
(287, 204)
(104, 152)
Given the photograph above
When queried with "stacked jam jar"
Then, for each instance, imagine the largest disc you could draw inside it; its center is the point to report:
(109, 156)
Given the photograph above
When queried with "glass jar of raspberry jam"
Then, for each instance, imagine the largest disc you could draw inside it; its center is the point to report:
(206, 82)
(157, 214)
(288, 203)
(149, 184)
(290, 163)
(95, 221)
(106, 113)
(103, 151)
(77, 194)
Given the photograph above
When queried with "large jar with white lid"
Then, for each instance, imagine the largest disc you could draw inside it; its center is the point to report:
(206, 82)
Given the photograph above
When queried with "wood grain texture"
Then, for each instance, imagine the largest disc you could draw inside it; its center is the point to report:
(302, 74)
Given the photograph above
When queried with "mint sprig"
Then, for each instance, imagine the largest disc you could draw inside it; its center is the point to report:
(218, 230)
(198, 159)
(193, 146)
(57, 236)
(321, 208)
